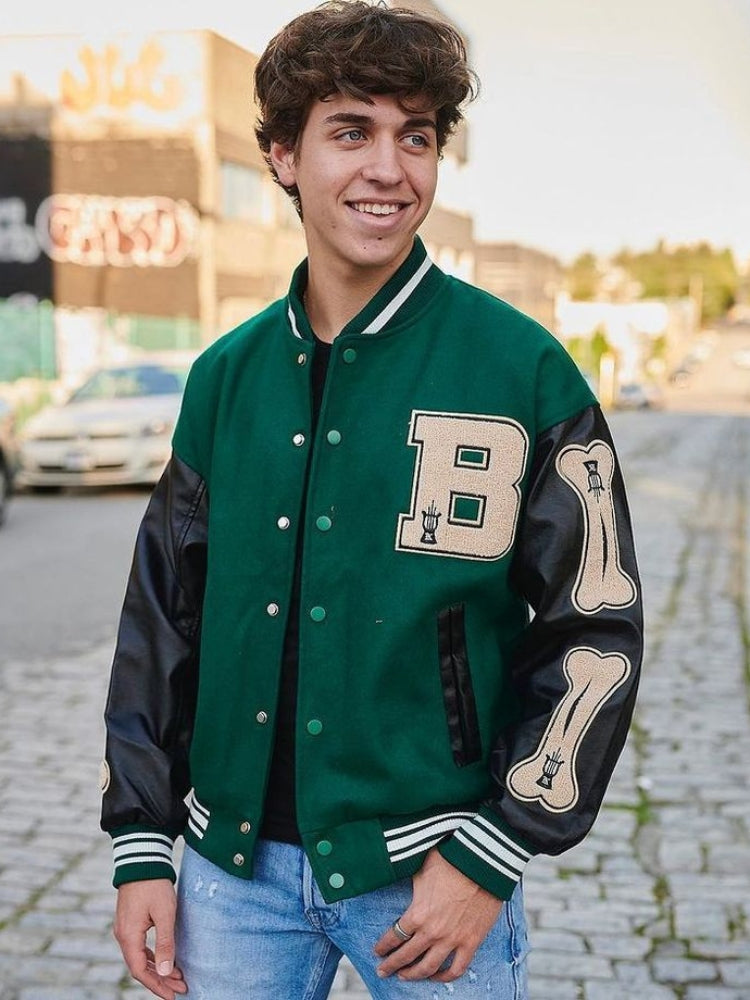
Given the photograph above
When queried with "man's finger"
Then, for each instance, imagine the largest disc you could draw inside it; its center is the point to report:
(390, 940)
(164, 942)
(139, 970)
(454, 966)
(175, 978)
(406, 953)
(427, 964)
(167, 988)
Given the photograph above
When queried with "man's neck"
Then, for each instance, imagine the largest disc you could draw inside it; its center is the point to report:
(333, 299)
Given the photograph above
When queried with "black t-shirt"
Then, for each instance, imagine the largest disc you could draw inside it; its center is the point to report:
(280, 809)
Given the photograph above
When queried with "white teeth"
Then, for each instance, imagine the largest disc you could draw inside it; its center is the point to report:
(375, 209)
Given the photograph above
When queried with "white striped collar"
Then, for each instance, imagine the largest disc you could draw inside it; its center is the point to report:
(395, 294)
(398, 300)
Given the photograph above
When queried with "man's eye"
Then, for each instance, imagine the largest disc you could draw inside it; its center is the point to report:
(353, 134)
(417, 140)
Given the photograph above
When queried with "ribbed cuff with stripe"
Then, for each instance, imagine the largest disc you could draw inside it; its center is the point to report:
(140, 853)
(488, 852)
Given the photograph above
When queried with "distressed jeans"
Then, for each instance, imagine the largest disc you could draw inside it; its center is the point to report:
(275, 937)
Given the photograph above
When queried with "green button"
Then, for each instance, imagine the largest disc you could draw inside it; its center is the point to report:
(315, 727)
(336, 880)
(323, 523)
(317, 614)
(349, 356)
(334, 437)
(324, 847)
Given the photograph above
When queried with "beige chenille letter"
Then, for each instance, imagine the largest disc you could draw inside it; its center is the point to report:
(465, 494)
(601, 581)
(549, 777)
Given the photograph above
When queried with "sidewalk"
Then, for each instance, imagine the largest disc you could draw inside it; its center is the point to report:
(655, 904)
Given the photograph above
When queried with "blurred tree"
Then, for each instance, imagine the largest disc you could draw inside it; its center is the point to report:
(689, 270)
(582, 277)
(587, 352)
(599, 347)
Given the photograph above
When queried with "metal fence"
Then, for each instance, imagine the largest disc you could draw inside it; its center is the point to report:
(161, 333)
(31, 344)
(27, 341)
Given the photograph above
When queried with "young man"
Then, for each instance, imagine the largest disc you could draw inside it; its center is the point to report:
(325, 645)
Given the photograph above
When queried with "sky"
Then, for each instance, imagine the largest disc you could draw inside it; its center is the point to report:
(599, 126)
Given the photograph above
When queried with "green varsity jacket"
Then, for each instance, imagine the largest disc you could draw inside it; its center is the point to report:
(470, 630)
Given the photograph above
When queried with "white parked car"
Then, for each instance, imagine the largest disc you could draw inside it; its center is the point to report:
(115, 429)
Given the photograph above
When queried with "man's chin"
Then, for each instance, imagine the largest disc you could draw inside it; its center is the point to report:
(382, 250)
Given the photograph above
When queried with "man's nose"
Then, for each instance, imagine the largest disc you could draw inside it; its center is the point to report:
(383, 164)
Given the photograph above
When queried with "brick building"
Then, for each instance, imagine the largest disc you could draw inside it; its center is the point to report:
(527, 278)
(133, 194)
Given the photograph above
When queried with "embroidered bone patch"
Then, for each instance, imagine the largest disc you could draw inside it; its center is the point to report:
(549, 777)
(601, 581)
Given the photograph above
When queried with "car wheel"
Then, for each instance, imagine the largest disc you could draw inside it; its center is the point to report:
(45, 489)
(4, 490)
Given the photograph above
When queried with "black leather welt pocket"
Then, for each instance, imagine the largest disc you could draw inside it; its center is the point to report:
(458, 693)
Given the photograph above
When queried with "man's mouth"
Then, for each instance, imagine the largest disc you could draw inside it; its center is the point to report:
(376, 208)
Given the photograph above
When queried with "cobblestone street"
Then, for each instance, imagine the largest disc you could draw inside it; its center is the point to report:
(654, 904)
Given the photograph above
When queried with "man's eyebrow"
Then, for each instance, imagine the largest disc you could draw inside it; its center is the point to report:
(348, 118)
(353, 118)
(420, 123)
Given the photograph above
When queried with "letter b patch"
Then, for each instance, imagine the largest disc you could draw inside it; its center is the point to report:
(465, 494)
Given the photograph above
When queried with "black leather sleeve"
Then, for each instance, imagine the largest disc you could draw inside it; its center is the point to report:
(577, 665)
(151, 704)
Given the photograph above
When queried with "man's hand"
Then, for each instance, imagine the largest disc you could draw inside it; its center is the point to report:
(449, 914)
(141, 906)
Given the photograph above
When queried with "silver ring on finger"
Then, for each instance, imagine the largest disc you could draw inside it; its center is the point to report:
(400, 933)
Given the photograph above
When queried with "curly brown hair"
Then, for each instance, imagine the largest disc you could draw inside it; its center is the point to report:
(359, 49)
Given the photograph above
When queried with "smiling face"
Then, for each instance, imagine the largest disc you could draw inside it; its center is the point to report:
(366, 175)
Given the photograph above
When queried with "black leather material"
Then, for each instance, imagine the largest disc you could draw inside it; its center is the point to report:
(458, 692)
(544, 571)
(156, 658)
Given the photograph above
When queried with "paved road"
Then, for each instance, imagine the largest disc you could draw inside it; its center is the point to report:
(64, 559)
(654, 904)
(719, 384)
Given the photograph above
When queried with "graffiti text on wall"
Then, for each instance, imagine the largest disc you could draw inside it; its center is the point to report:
(18, 242)
(94, 230)
(112, 81)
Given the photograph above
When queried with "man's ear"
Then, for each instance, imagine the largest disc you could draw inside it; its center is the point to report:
(282, 158)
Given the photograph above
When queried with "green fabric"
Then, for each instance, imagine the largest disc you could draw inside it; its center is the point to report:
(368, 670)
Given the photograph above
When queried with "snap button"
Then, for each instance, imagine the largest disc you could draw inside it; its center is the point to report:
(245, 827)
(298, 440)
(317, 614)
(349, 356)
(324, 847)
(239, 860)
(283, 523)
(272, 610)
(315, 727)
(336, 880)
(301, 359)
(262, 718)
(323, 523)
(334, 437)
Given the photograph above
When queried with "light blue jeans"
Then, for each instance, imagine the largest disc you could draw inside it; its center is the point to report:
(275, 937)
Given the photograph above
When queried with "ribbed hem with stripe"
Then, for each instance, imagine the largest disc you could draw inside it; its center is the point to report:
(140, 853)
(488, 852)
